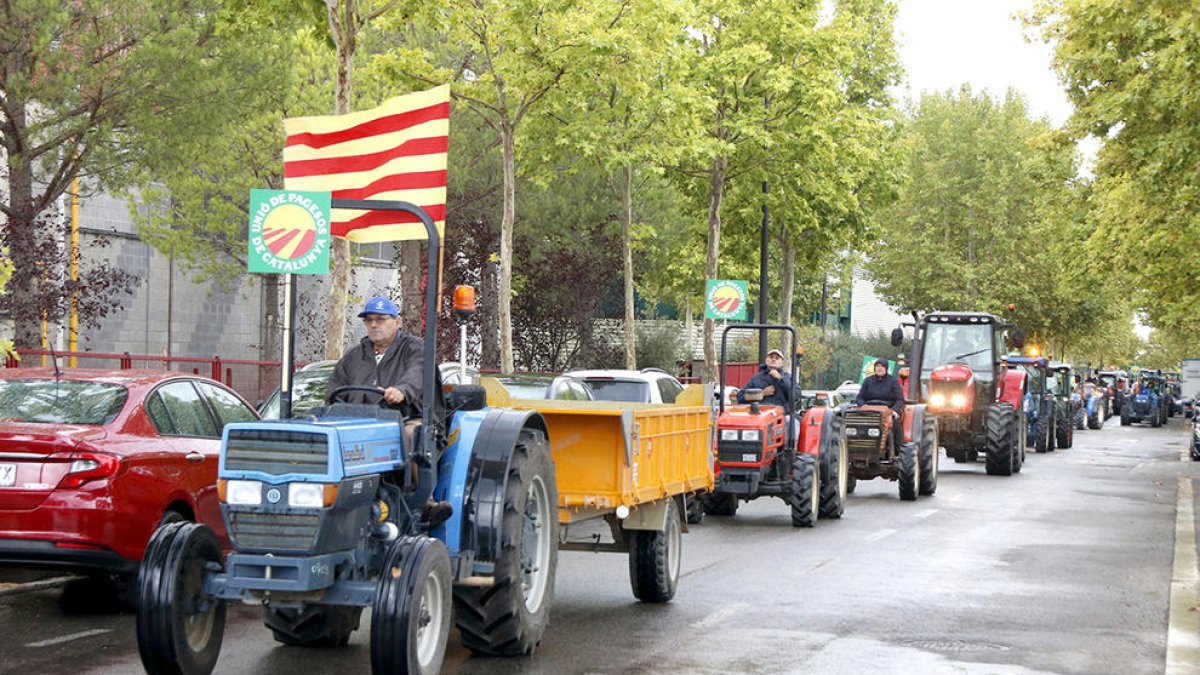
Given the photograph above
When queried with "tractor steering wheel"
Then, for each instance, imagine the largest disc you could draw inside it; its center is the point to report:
(336, 393)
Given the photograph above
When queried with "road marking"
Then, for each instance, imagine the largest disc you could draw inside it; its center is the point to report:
(879, 534)
(68, 638)
(1183, 625)
(925, 514)
(720, 615)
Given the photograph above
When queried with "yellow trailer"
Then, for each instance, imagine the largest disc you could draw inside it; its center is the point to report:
(636, 466)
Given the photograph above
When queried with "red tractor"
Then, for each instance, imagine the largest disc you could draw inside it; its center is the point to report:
(762, 451)
(957, 361)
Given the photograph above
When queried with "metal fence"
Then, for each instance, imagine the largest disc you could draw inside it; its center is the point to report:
(254, 380)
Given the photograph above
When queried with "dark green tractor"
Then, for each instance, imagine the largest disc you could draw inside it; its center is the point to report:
(1060, 381)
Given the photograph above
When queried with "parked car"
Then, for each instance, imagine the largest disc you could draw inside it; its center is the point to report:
(849, 389)
(93, 461)
(560, 387)
(822, 397)
(649, 385)
(309, 385)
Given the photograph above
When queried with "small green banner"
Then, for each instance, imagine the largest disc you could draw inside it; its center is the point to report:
(725, 300)
(868, 368)
(289, 232)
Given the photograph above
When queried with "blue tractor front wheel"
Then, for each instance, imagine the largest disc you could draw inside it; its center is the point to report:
(410, 619)
(179, 629)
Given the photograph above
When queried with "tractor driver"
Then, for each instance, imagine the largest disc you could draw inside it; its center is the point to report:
(394, 362)
(883, 387)
(773, 380)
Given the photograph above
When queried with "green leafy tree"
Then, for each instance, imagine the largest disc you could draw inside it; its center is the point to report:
(1130, 72)
(988, 217)
(503, 57)
(91, 90)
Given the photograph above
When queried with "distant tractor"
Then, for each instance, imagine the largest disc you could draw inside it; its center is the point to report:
(761, 452)
(956, 360)
(1116, 381)
(1039, 400)
(1062, 383)
(1147, 404)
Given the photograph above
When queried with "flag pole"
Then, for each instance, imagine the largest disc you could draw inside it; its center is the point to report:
(289, 352)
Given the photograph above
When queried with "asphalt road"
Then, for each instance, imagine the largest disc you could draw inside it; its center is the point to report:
(1065, 568)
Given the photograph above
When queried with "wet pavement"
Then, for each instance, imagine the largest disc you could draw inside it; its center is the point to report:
(1064, 568)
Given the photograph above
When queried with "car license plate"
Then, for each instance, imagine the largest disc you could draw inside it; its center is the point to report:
(8, 475)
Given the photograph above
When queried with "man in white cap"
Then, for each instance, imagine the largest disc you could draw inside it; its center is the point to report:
(773, 380)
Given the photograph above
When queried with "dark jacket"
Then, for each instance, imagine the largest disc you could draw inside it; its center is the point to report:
(762, 379)
(400, 367)
(886, 388)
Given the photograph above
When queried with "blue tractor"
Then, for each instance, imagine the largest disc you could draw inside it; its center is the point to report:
(327, 515)
(1148, 403)
(1039, 400)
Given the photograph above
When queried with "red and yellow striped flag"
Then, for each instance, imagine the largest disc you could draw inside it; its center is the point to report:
(397, 151)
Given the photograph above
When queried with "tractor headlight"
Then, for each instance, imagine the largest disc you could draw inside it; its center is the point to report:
(243, 492)
(873, 433)
(958, 400)
(751, 435)
(311, 495)
(937, 400)
(729, 434)
(851, 431)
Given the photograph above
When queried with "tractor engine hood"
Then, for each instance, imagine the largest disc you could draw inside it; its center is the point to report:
(951, 388)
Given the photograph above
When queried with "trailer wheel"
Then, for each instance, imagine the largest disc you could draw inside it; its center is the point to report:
(909, 471)
(851, 483)
(179, 630)
(1125, 418)
(312, 625)
(695, 509)
(805, 495)
(654, 559)
(928, 456)
(835, 471)
(410, 618)
(999, 422)
(510, 616)
(719, 504)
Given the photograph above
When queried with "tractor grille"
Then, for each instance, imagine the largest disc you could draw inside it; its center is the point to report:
(277, 452)
(734, 451)
(856, 428)
(274, 531)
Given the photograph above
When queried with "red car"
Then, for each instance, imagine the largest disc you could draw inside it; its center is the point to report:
(92, 461)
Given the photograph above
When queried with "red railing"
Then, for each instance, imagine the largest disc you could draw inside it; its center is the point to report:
(254, 380)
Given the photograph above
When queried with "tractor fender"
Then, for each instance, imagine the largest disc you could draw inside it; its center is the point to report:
(1013, 391)
(486, 479)
(914, 418)
(813, 427)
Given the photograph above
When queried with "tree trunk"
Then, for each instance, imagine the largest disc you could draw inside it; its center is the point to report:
(411, 299)
(22, 241)
(489, 352)
(716, 191)
(627, 245)
(504, 297)
(341, 28)
(789, 281)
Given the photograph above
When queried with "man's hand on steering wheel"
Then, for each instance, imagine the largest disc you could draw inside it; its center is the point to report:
(393, 396)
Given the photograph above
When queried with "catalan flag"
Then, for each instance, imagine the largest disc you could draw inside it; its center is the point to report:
(396, 152)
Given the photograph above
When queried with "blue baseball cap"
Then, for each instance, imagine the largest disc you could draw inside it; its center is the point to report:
(379, 305)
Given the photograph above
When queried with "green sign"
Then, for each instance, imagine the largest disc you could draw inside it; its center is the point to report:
(868, 368)
(725, 300)
(289, 232)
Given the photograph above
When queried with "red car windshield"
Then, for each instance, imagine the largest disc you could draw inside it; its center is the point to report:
(60, 401)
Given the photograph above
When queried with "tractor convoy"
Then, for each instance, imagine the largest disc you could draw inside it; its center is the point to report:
(329, 513)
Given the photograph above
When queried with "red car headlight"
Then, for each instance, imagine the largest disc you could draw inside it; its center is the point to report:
(89, 466)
